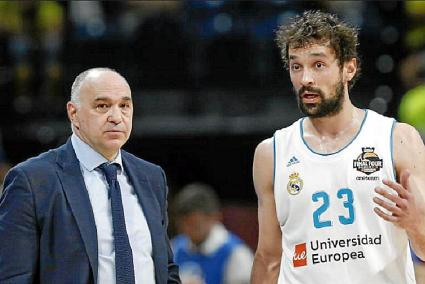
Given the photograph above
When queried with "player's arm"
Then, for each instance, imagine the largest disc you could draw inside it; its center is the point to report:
(269, 250)
(408, 207)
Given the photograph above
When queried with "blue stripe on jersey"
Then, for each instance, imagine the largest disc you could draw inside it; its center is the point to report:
(274, 157)
(392, 150)
(329, 154)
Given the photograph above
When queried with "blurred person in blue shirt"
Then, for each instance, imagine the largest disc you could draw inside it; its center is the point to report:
(206, 251)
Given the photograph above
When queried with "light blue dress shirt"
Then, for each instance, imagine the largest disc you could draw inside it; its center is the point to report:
(136, 225)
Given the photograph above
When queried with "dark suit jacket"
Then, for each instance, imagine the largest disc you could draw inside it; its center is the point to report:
(47, 228)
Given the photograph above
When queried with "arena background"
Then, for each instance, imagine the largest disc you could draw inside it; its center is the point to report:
(206, 76)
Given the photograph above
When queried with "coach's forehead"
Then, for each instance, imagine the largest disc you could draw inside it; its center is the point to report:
(95, 76)
(101, 80)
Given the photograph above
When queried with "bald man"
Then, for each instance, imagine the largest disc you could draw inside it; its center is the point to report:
(88, 212)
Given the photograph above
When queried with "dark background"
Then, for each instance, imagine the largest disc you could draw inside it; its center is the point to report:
(206, 76)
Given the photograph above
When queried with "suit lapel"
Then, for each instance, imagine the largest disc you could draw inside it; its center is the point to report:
(77, 196)
(147, 200)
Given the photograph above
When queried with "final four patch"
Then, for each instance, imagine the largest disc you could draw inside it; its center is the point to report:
(295, 184)
(368, 161)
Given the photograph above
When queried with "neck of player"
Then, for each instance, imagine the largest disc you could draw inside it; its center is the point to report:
(332, 133)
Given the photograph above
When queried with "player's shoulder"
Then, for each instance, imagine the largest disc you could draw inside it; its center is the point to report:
(378, 120)
(409, 149)
(291, 127)
(405, 133)
(265, 149)
(408, 145)
(263, 165)
(264, 154)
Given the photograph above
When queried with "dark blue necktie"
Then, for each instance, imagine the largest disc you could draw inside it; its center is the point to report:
(123, 255)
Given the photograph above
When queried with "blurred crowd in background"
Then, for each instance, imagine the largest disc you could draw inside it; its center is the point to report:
(206, 77)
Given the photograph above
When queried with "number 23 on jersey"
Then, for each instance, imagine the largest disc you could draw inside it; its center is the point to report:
(344, 195)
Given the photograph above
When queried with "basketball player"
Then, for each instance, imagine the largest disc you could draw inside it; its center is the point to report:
(341, 191)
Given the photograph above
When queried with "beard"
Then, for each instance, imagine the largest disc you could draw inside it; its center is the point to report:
(327, 106)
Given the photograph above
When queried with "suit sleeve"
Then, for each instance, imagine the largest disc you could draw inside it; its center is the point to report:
(19, 244)
(173, 270)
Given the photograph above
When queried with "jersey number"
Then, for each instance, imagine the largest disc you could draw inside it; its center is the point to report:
(346, 195)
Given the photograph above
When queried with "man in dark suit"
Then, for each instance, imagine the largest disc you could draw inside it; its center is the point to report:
(88, 212)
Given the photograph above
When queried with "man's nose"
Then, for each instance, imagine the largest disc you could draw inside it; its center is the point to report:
(114, 115)
(307, 77)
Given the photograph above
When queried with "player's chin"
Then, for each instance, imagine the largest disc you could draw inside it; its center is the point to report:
(310, 109)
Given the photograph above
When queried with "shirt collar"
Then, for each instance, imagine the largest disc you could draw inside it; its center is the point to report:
(88, 157)
(215, 239)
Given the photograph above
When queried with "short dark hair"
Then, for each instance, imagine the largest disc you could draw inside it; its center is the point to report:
(196, 197)
(320, 27)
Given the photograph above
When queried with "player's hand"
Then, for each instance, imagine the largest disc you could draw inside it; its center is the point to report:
(403, 208)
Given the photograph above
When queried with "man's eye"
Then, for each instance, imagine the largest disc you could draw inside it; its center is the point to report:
(102, 106)
(320, 65)
(295, 67)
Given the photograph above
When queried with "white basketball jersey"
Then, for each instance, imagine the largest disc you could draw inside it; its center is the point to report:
(330, 233)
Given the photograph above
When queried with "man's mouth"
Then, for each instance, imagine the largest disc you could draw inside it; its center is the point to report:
(113, 131)
(309, 97)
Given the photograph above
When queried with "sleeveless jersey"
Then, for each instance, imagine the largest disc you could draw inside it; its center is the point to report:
(324, 205)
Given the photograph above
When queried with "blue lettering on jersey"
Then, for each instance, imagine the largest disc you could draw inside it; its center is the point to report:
(346, 195)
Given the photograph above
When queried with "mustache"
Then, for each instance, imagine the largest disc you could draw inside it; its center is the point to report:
(304, 89)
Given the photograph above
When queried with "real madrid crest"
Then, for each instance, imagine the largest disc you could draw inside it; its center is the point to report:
(295, 184)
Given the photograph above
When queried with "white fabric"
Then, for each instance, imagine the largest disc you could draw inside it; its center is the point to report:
(388, 260)
(135, 221)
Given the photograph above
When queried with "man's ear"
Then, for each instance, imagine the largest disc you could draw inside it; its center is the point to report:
(350, 68)
(72, 109)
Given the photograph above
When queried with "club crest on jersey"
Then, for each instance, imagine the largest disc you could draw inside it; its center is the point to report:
(295, 184)
(368, 161)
